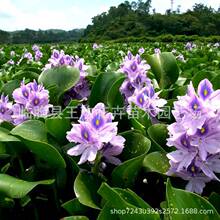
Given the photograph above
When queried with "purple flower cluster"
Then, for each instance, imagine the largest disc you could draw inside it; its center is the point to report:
(5, 109)
(96, 133)
(141, 50)
(157, 51)
(81, 89)
(190, 46)
(96, 46)
(137, 88)
(196, 135)
(28, 56)
(38, 54)
(30, 100)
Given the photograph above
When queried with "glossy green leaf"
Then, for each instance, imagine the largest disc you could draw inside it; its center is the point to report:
(27, 74)
(35, 137)
(158, 133)
(156, 162)
(165, 68)
(74, 207)
(33, 130)
(102, 86)
(126, 173)
(6, 137)
(215, 82)
(10, 86)
(125, 201)
(58, 127)
(114, 97)
(136, 144)
(85, 188)
(17, 188)
(188, 205)
(214, 199)
(58, 80)
(199, 76)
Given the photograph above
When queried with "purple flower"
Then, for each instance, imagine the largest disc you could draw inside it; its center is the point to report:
(133, 66)
(32, 99)
(141, 50)
(157, 51)
(136, 72)
(196, 135)
(35, 48)
(190, 46)
(147, 100)
(81, 90)
(19, 114)
(28, 56)
(181, 58)
(96, 46)
(38, 55)
(11, 62)
(5, 109)
(95, 133)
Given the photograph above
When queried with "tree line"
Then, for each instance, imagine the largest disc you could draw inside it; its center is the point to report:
(136, 19)
(48, 36)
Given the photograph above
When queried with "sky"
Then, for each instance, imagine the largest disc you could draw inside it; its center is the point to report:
(69, 14)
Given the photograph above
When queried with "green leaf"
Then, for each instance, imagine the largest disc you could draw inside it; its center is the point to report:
(33, 130)
(125, 201)
(58, 127)
(215, 82)
(158, 133)
(9, 87)
(27, 74)
(6, 137)
(17, 188)
(102, 86)
(35, 137)
(136, 144)
(85, 188)
(126, 173)
(183, 202)
(214, 199)
(114, 97)
(58, 80)
(74, 207)
(199, 76)
(164, 67)
(6, 202)
(156, 162)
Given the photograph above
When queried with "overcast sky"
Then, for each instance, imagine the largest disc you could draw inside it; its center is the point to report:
(69, 14)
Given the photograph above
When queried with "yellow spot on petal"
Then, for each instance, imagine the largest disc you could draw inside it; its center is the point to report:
(36, 101)
(193, 169)
(86, 135)
(97, 122)
(202, 130)
(195, 106)
(205, 92)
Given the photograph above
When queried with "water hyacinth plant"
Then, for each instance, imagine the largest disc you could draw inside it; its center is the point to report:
(90, 132)
(195, 134)
(96, 133)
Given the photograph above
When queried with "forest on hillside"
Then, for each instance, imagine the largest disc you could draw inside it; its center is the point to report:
(135, 20)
